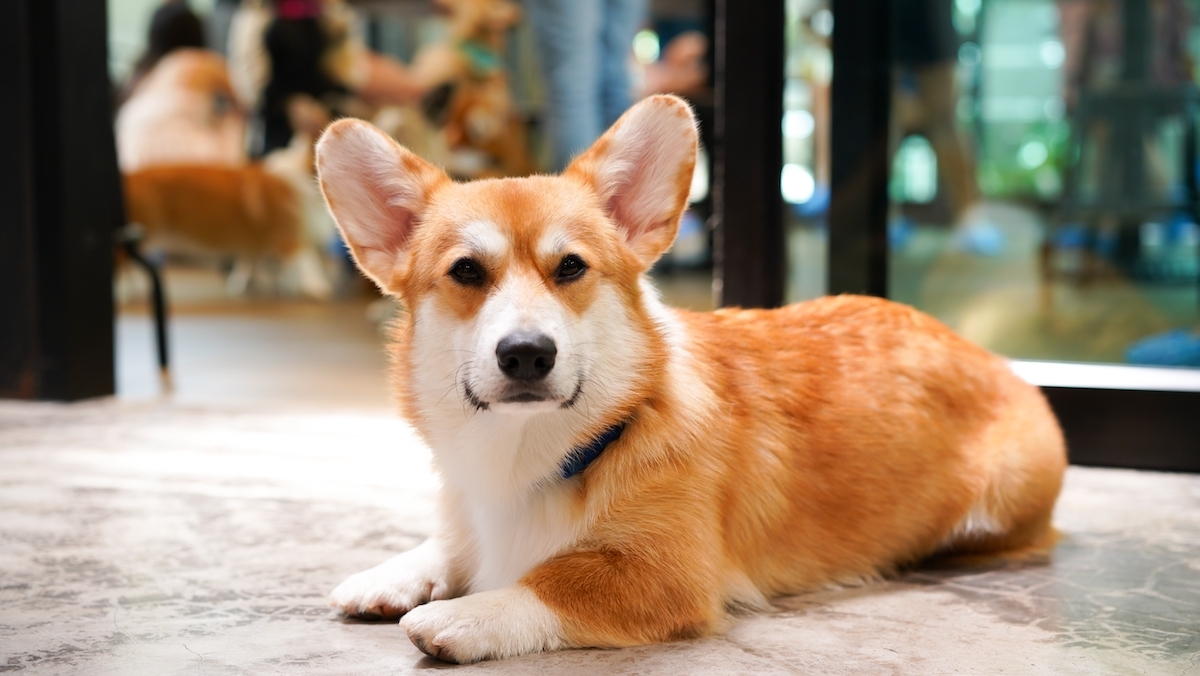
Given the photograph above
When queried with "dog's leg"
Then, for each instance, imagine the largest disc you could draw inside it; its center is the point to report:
(303, 275)
(238, 281)
(488, 625)
(399, 584)
(659, 589)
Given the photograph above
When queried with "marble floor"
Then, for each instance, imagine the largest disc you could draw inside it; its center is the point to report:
(167, 537)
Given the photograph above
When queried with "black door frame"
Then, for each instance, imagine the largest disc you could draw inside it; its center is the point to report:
(749, 245)
(60, 201)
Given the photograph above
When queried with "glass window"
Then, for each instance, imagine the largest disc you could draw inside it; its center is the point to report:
(1044, 175)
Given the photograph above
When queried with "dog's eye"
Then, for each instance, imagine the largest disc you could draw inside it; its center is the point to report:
(467, 271)
(570, 268)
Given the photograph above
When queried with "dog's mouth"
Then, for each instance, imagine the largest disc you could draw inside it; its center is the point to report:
(523, 398)
(523, 395)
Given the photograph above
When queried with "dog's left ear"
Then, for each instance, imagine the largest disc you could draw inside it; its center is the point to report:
(642, 170)
(376, 191)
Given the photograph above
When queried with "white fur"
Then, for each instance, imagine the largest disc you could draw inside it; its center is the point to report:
(508, 451)
(505, 461)
(976, 524)
(515, 535)
(484, 239)
(489, 625)
(503, 495)
(553, 243)
(522, 303)
(166, 121)
(404, 582)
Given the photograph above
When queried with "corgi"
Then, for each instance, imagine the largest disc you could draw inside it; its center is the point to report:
(239, 211)
(617, 473)
(268, 211)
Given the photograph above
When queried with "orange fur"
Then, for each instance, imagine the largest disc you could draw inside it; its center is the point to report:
(183, 112)
(766, 452)
(237, 211)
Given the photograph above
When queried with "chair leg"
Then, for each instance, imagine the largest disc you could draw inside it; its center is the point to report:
(160, 311)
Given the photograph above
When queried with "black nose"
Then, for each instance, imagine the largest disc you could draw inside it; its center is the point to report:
(526, 355)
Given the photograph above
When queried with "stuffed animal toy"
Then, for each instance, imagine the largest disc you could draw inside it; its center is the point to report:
(478, 111)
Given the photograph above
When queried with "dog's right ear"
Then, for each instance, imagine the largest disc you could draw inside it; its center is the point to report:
(376, 191)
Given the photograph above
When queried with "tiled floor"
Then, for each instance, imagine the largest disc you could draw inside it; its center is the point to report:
(164, 538)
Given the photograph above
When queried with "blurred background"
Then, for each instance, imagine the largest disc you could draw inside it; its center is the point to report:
(1042, 188)
(1024, 170)
(220, 102)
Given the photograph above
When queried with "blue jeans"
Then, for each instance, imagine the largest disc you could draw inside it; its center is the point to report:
(583, 46)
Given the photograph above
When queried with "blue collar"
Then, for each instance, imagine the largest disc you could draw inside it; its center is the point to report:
(581, 457)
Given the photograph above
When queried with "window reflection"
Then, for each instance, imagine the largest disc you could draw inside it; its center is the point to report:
(1044, 175)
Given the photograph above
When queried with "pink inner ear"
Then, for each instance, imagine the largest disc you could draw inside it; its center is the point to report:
(632, 228)
(397, 223)
(645, 193)
(390, 197)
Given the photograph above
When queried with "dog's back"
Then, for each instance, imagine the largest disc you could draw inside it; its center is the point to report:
(235, 211)
(862, 434)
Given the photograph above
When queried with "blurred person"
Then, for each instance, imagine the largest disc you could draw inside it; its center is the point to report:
(1093, 36)
(284, 48)
(266, 218)
(682, 69)
(183, 112)
(219, 24)
(172, 26)
(925, 47)
(583, 47)
(296, 44)
(178, 106)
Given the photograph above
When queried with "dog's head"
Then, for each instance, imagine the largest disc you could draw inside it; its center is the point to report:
(523, 293)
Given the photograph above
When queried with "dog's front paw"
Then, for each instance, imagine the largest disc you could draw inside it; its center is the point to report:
(397, 585)
(489, 625)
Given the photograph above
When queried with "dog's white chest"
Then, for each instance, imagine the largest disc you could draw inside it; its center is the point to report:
(513, 538)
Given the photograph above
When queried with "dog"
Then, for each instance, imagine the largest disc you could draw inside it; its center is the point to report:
(269, 212)
(617, 473)
(239, 211)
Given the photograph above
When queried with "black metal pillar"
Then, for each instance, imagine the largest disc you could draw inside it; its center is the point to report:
(861, 103)
(750, 260)
(60, 201)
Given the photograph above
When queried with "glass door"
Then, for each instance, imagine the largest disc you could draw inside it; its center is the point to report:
(1026, 171)
(1043, 179)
